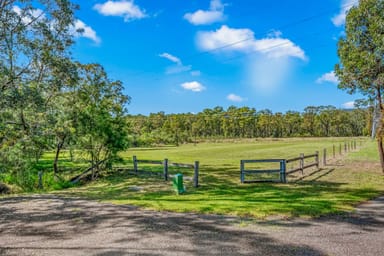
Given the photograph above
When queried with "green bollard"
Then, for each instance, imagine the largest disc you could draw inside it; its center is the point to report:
(178, 183)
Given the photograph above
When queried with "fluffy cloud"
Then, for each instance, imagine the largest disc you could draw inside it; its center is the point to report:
(243, 40)
(86, 31)
(201, 17)
(339, 19)
(126, 9)
(235, 98)
(193, 86)
(349, 104)
(329, 77)
(271, 59)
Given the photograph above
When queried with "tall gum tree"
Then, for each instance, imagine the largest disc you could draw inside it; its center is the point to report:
(361, 54)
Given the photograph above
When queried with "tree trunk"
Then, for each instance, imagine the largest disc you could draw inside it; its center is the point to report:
(56, 160)
(379, 137)
(381, 152)
(379, 133)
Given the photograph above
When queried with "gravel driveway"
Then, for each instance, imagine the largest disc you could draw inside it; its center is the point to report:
(54, 225)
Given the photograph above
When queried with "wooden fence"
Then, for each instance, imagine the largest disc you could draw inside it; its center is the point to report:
(282, 170)
(166, 164)
(302, 164)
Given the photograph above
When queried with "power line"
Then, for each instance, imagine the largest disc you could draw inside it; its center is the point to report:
(289, 25)
(304, 20)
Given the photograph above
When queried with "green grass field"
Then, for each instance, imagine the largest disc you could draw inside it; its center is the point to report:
(337, 188)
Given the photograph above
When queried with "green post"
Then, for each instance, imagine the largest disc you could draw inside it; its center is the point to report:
(178, 183)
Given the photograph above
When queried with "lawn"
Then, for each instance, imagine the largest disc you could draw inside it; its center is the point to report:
(354, 178)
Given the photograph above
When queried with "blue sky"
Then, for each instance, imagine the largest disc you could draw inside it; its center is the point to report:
(186, 55)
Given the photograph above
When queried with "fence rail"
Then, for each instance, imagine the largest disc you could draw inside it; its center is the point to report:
(280, 171)
(302, 166)
(166, 164)
(302, 160)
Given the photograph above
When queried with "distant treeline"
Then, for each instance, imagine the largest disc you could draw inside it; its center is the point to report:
(245, 122)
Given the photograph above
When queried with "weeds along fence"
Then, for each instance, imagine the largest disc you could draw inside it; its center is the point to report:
(166, 164)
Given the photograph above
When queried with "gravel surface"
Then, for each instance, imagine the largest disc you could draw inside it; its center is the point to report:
(54, 225)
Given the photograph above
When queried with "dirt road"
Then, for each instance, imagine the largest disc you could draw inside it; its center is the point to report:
(53, 225)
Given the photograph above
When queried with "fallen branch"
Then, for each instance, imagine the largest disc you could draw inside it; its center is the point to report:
(78, 177)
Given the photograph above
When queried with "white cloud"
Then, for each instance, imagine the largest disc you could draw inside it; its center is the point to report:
(193, 86)
(201, 17)
(235, 98)
(349, 104)
(243, 40)
(87, 31)
(171, 58)
(178, 68)
(123, 8)
(269, 62)
(339, 19)
(329, 77)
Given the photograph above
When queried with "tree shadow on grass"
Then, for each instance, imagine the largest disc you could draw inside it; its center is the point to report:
(221, 192)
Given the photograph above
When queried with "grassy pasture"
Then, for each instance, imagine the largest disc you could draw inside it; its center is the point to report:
(337, 188)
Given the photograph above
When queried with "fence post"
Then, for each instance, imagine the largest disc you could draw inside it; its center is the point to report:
(302, 163)
(135, 164)
(40, 174)
(354, 144)
(317, 159)
(196, 175)
(242, 171)
(283, 173)
(325, 157)
(340, 151)
(165, 169)
(334, 153)
(345, 147)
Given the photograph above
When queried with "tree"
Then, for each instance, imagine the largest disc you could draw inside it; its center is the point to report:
(361, 53)
(48, 101)
(100, 110)
(34, 69)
